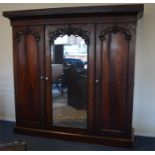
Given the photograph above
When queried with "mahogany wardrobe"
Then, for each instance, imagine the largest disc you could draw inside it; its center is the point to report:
(74, 72)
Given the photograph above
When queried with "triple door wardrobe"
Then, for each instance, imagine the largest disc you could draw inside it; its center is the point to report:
(74, 72)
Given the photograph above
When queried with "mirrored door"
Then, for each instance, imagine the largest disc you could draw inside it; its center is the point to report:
(69, 54)
(69, 81)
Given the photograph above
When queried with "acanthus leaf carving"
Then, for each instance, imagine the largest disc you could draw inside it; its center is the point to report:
(77, 31)
(115, 29)
(26, 32)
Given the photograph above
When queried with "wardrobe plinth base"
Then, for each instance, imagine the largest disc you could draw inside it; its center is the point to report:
(109, 141)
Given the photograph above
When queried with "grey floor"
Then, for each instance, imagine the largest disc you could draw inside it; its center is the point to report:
(45, 144)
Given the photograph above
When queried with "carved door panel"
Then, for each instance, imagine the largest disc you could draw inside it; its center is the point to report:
(29, 71)
(114, 74)
(70, 83)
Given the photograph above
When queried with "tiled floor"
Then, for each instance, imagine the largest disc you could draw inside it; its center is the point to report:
(38, 143)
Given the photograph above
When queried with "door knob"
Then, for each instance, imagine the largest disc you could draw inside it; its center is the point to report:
(46, 78)
(96, 81)
(41, 77)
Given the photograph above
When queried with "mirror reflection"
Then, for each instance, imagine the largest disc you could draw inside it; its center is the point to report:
(69, 82)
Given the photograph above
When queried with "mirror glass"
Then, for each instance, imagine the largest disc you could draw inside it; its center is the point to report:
(69, 82)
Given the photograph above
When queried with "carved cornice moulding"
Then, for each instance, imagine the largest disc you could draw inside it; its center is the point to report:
(136, 9)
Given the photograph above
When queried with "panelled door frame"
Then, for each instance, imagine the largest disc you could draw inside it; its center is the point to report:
(127, 30)
(81, 30)
(30, 63)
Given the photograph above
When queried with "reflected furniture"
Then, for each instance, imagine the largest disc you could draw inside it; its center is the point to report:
(109, 33)
(76, 82)
(57, 70)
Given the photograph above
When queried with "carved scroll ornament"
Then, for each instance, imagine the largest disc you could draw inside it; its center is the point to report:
(77, 31)
(115, 29)
(26, 32)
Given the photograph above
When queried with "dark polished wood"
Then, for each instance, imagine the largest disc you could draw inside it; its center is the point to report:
(89, 138)
(72, 11)
(109, 32)
(114, 50)
(28, 67)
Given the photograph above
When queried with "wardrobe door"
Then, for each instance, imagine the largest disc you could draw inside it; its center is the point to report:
(114, 77)
(69, 74)
(29, 71)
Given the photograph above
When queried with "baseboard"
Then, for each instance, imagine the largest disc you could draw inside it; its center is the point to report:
(7, 119)
(144, 134)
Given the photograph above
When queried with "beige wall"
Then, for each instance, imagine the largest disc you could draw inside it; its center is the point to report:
(144, 95)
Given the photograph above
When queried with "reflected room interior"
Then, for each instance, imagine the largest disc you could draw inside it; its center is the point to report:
(69, 82)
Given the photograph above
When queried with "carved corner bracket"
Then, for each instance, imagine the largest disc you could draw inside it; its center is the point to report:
(77, 31)
(115, 29)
